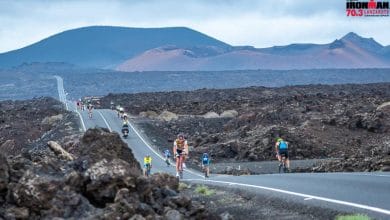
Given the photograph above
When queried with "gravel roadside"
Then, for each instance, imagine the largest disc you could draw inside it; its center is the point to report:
(243, 204)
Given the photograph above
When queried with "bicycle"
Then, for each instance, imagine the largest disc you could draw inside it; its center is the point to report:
(167, 161)
(204, 169)
(180, 165)
(90, 113)
(282, 164)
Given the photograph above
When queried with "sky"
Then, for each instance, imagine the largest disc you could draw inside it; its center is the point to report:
(259, 23)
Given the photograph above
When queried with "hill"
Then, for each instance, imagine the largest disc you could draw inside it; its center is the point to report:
(351, 51)
(184, 49)
(104, 46)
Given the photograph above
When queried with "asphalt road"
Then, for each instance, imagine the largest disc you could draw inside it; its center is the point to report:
(367, 193)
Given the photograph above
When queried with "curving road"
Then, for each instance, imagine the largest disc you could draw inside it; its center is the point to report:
(347, 192)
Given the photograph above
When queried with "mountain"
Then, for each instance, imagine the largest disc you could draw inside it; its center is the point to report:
(351, 51)
(105, 46)
(180, 48)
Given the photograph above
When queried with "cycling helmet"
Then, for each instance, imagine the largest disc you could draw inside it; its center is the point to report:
(180, 135)
(205, 154)
(279, 139)
(125, 115)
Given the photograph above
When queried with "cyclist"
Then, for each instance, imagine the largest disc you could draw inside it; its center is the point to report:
(281, 148)
(180, 148)
(112, 105)
(125, 128)
(90, 107)
(121, 112)
(147, 165)
(205, 161)
(167, 155)
(125, 118)
(78, 105)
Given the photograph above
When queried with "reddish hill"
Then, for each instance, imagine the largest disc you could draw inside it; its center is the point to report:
(351, 51)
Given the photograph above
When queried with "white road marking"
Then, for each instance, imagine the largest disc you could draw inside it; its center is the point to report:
(82, 121)
(61, 91)
(105, 121)
(158, 155)
(308, 199)
(356, 205)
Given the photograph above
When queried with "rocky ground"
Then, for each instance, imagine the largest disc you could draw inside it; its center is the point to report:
(48, 169)
(347, 122)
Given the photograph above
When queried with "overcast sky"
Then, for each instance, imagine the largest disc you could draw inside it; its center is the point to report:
(260, 23)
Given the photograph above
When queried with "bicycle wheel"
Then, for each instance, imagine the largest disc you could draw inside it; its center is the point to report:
(280, 167)
(181, 174)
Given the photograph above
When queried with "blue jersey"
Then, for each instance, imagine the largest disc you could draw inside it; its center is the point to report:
(283, 145)
(167, 153)
(205, 160)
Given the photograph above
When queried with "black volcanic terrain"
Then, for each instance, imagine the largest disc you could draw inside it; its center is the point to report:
(349, 122)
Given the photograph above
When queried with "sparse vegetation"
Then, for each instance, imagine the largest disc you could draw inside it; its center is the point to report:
(183, 186)
(204, 190)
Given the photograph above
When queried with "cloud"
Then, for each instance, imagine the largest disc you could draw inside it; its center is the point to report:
(246, 22)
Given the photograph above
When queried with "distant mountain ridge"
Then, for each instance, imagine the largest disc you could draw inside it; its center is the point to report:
(104, 46)
(351, 51)
(184, 49)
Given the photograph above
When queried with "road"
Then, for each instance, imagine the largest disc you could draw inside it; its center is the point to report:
(348, 192)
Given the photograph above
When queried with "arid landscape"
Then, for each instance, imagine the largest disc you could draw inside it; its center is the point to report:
(349, 123)
(234, 77)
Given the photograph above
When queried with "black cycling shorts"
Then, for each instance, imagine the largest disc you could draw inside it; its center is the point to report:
(283, 152)
(179, 152)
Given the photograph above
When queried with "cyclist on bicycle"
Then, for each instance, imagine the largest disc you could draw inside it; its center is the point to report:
(90, 107)
(281, 148)
(78, 103)
(205, 161)
(147, 165)
(167, 155)
(121, 112)
(125, 129)
(180, 149)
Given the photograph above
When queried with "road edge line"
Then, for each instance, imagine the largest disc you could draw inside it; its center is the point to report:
(143, 140)
(105, 121)
(356, 205)
(82, 121)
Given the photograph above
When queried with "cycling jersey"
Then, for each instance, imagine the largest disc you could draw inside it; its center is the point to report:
(180, 144)
(147, 160)
(283, 145)
(167, 153)
(205, 160)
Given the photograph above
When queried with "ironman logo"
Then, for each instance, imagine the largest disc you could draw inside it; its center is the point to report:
(357, 8)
